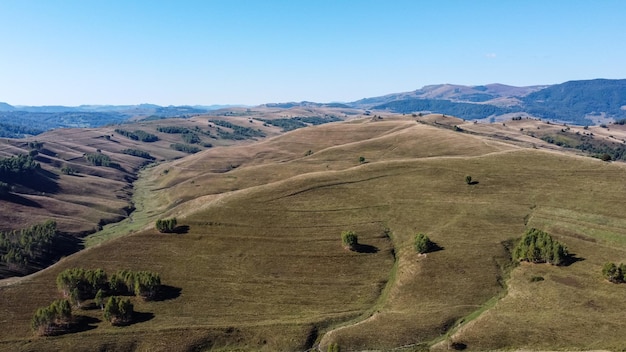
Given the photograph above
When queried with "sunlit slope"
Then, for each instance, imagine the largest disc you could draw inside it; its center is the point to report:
(262, 267)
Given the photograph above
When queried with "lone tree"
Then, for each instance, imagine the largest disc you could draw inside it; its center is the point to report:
(537, 246)
(423, 244)
(468, 179)
(349, 239)
(361, 159)
(166, 225)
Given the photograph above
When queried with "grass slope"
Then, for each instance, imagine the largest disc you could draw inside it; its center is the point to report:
(262, 267)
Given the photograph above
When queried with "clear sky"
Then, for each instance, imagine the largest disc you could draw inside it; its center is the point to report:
(206, 52)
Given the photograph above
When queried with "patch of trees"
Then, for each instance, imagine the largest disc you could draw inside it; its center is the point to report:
(238, 132)
(186, 148)
(20, 248)
(119, 311)
(68, 170)
(289, 124)
(464, 110)
(17, 166)
(18, 130)
(173, 129)
(139, 153)
(190, 138)
(138, 135)
(614, 273)
(97, 159)
(537, 246)
(53, 319)
(601, 150)
(78, 285)
(81, 284)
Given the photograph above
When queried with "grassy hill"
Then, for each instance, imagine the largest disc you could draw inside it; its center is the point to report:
(261, 265)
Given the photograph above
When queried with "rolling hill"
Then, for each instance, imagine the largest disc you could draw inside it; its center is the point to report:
(260, 265)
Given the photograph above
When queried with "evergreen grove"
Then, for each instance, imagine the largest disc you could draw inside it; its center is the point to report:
(537, 246)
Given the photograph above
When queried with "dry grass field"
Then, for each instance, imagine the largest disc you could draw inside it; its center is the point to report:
(262, 267)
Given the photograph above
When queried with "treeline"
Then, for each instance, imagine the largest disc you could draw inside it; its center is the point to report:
(79, 284)
(8, 130)
(17, 166)
(98, 159)
(289, 124)
(615, 152)
(138, 135)
(23, 247)
(185, 148)
(537, 246)
(238, 132)
(139, 153)
(173, 129)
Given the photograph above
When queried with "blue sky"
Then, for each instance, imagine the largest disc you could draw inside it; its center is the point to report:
(258, 51)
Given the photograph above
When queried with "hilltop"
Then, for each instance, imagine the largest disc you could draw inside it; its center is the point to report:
(260, 265)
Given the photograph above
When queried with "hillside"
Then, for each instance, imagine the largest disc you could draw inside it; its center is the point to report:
(85, 176)
(260, 265)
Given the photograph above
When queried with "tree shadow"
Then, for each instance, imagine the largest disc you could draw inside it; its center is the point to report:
(434, 247)
(181, 229)
(473, 183)
(571, 259)
(167, 292)
(365, 248)
(141, 317)
(83, 323)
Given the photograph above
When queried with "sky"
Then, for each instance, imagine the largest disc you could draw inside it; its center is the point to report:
(74, 52)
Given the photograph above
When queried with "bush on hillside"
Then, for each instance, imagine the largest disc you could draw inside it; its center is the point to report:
(614, 273)
(349, 239)
(423, 244)
(119, 311)
(166, 225)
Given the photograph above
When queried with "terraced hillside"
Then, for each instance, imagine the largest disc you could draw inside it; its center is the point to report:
(260, 264)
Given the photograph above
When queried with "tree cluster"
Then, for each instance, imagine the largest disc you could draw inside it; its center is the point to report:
(181, 147)
(238, 132)
(423, 244)
(80, 284)
(97, 159)
(537, 246)
(614, 273)
(52, 319)
(191, 138)
(119, 311)
(27, 245)
(138, 135)
(139, 153)
(173, 129)
(17, 166)
(166, 225)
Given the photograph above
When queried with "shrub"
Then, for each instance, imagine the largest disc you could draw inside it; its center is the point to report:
(361, 159)
(468, 179)
(349, 239)
(423, 244)
(166, 225)
(613, 273)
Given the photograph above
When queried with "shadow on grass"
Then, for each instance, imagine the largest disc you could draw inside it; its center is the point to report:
(141, 317)
(365, 248)
(83, 323)
(571, 259)
(181, 229)
(473, 183)
(434, 248)
(167, 293)
(16, 199)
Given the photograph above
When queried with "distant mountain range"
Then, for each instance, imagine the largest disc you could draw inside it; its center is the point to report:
(586, 102)
(22, 121)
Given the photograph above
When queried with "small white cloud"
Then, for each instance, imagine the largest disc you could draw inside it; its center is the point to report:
(490, 56)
